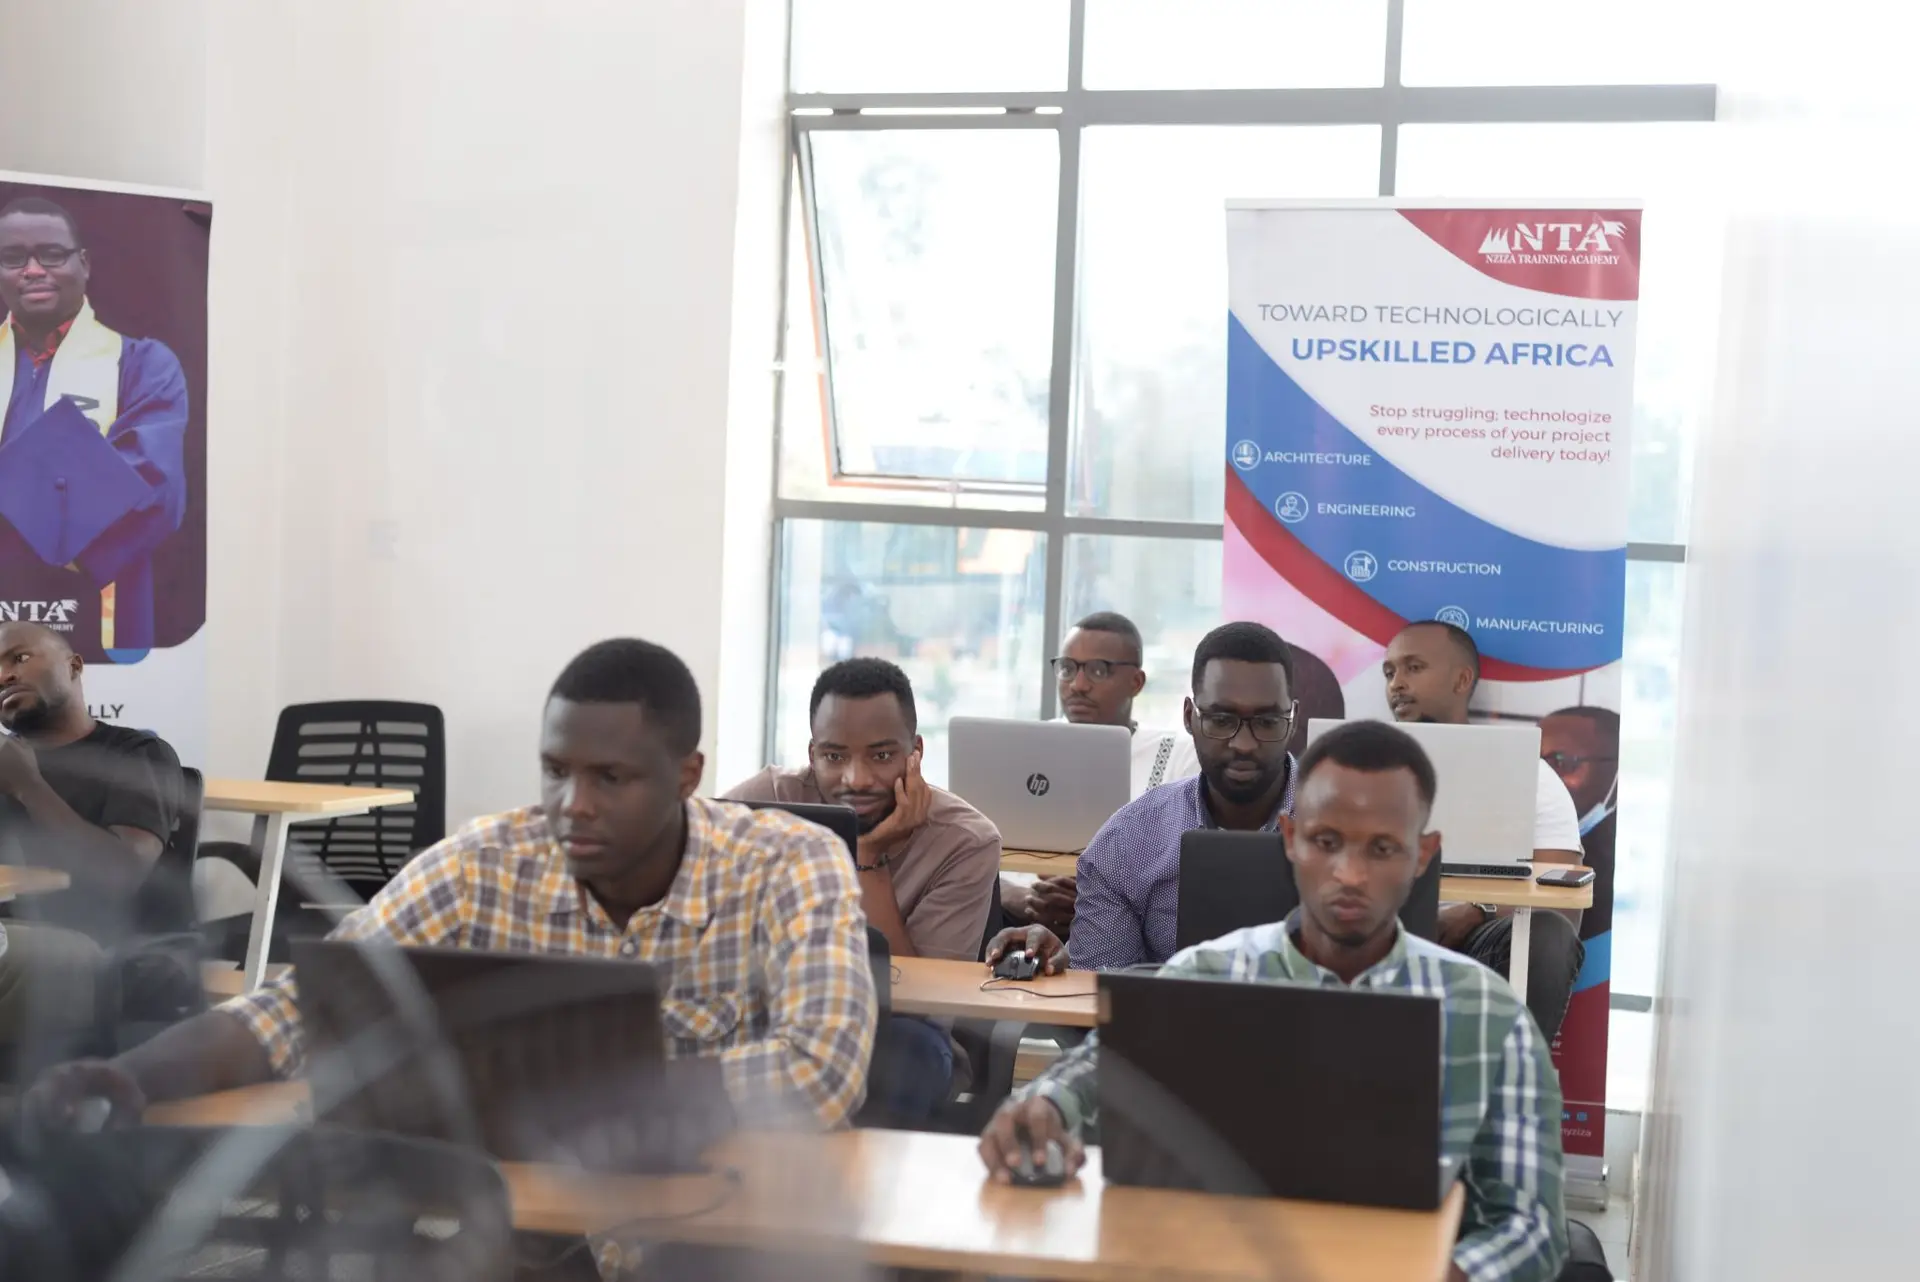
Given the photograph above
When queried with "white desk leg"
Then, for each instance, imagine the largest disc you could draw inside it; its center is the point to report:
(1522, 944)
(270, 844)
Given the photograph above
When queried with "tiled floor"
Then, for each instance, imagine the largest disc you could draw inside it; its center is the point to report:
(1611, 1227)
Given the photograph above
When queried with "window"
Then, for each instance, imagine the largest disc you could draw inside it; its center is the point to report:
(1002, 393)
(1150, 426)
(958, 608)
(1234, 44)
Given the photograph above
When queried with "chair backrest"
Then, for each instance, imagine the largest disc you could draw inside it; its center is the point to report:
(165, 902)
(365, 743)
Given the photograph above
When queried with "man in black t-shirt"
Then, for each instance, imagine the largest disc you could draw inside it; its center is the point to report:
(95, 801)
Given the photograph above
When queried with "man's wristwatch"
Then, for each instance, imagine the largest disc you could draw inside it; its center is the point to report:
(1488, 911)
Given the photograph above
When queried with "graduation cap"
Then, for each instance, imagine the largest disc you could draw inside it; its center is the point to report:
(62, 485)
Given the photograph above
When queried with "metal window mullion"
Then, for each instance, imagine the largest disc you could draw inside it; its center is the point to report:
(1060, 392)
(1390, 80)
(1371, 104)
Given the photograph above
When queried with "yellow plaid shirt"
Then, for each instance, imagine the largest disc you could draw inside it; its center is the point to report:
(761, 941)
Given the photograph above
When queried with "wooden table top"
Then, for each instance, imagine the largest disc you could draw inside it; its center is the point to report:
(927, 986)
(909, 1199)
(16, 880)
(1505, 892)
(267, 797)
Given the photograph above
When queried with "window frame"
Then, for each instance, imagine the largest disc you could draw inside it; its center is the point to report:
(1069, 112)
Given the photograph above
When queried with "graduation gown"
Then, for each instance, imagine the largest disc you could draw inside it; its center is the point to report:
(134, 393)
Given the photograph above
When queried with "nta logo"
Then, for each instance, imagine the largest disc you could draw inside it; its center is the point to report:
(1037, 784)
(57, 615)
(1591, 242)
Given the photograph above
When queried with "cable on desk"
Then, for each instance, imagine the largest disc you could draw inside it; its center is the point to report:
(1020, 985)
(731, 1180)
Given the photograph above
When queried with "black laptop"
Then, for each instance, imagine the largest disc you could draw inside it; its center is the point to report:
(1271, 1090)
(1232, 880)
(529, 1056)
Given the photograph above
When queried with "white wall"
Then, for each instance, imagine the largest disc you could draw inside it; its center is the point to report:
(481, 354)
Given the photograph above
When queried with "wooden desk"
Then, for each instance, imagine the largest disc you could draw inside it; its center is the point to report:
(16, 880)
(927, 986)
(909, 1199)
(1038, 862)
(274, 806)
(1521, 895)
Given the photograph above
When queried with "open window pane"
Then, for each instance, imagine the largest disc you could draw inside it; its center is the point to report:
(1672, 167)
(1234, 44)
(1525, 42)
(1170, 588)
(936, 252)
(959, 609)
(1150, 426)
(928, 46)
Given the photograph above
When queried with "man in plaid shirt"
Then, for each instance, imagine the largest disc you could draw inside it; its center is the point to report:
(1357, 842)
(753, 917)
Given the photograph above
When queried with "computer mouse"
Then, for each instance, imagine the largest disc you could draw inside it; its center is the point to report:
(1050, 1172)
(90, 1114)
(1016, 963)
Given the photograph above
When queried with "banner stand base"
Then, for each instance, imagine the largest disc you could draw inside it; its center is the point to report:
(1585, 1187)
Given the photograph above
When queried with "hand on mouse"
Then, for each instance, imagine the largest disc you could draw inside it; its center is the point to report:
(1037, 940)
(53, 1102)
(1000, 1144)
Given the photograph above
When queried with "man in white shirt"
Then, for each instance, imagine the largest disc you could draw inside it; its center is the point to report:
(1099, 673)
(1431, 669)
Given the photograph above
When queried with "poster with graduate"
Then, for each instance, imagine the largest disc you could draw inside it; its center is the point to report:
(1428, 407)
(103, 387)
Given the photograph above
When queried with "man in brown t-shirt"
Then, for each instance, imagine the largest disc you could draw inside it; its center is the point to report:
(929, 862)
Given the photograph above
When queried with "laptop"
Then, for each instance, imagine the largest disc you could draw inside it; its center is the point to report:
(1232, 880)
(530, 1057)
(1271, 1090)
(1047, 785)
(1489, 786)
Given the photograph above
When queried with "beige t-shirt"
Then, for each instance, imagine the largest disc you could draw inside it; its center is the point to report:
(946, 879)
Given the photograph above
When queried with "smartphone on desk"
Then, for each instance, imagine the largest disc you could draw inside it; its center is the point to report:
(1570, 876)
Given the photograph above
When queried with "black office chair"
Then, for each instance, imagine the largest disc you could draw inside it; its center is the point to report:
(1232, 880)
(339, 864)
(279, 1203)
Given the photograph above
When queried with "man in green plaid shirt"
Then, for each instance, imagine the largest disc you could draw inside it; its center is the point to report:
(1357, 842)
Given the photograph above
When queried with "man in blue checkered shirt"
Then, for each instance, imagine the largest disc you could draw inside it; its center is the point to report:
(1357, 842)
(1241, 714)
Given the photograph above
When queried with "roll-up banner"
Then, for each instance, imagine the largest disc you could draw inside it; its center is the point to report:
(1428, 406)
(103, 448)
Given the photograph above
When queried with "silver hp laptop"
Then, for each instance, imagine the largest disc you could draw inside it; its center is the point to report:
(1047, 785)
(1489, 783)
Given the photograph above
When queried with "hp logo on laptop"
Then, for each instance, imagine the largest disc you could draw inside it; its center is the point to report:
(1037, 784)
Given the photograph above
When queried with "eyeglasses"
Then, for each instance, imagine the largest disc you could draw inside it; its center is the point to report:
(1268, 727)
(50, 257)
(1565, 763)
(1096, 669)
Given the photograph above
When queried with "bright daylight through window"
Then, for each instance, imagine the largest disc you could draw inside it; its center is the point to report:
(1004, 352)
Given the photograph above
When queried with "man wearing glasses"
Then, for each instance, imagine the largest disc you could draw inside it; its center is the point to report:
(1099, 673)
(76, 548)
(1238, 720)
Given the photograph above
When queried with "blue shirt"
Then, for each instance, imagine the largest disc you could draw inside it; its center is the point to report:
(1128, 901)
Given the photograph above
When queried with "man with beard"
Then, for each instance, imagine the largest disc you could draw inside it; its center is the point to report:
(927, 860)
(1239, 717)
(1431, 669)
(93, 800)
